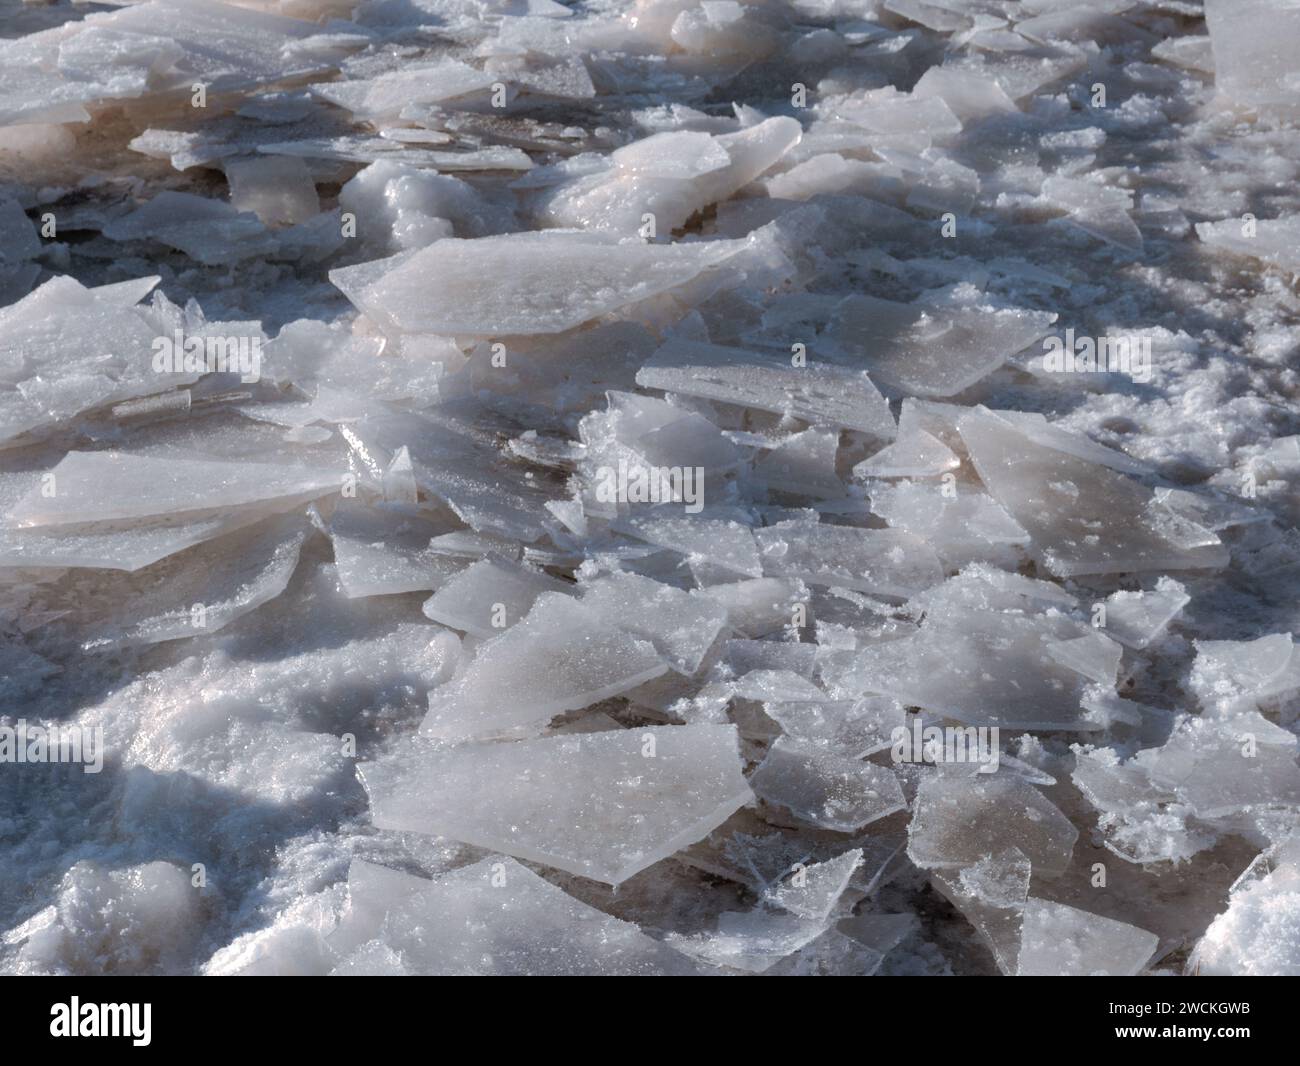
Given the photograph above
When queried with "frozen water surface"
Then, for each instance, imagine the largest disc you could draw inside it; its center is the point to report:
(651, 486)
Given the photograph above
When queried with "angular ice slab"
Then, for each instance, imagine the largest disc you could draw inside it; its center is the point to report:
(882, 561)
(101, 487)
(225, 47)
(1135, 619)
(1040, 431)
(127, 545)
(210, 231)
(853, 728)
(19, 238)
(152, 47)
(639, 436)
(958, 820)
(812, 892)
(962, 527)
(752, 941)
(278, 190)
(1099, 210)
(180, 598)
(1061, 941)
(561, 657)
(991, 896)
(681, 625)
(601, 805)
(1224, 767)
(760, 605)
(971, 96)
(765, 686)
(542, 282)
(981, 662)
(491, 595)
(669, 176)
(896, 117)
(821, 394)
(1083, 518)
(803, 465)
(916, 455)
(382, 552)
(65, 349)
(103, 547)
(416, 83)
(1233, 674)
(679, 154)
(458, 457)
(826, 790)
(494, 917)
(725, 543)
(929, 350)
(1275, 241)
(1251, 67)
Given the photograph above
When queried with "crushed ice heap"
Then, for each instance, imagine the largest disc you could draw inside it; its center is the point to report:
(649, 487)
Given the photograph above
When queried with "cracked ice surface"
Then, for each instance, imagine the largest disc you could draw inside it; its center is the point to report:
(650, 486)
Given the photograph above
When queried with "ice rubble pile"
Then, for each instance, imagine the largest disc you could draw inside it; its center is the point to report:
(634, 422)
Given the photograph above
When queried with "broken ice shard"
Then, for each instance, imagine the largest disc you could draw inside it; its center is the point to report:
(418, 83)
(917, 454)
(982, 661)
(601, 805)
(824, 789)
(490, 596)
(681, 625)
(750, 941)
(1083, 518)
(821, 394)
(103, 487)
(380, 552)
(1231, 675)
(460, 460)
(544, 282)
(726, 543)
(177, 598)
(961, 524)
(1222, 767)
(668, 176)
(492, 917)
(561, 657)
(1272, 240)
(854, 728)
(882, 561)
(930, 350)
(1135, 619)
(813, 891)
(991, 895)
(1251, 68)
(958, 820)
(209, 231)
(65, 349)
(1061, 941)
